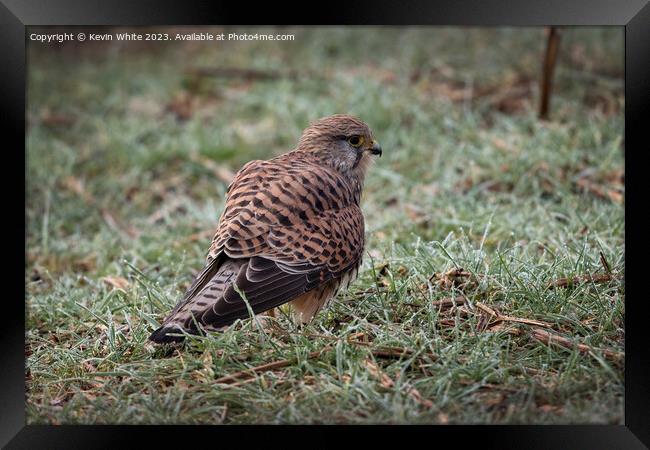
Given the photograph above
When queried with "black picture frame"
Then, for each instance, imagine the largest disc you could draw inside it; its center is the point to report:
(633, 15)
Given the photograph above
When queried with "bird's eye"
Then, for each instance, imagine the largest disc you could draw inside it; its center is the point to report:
(355, 141)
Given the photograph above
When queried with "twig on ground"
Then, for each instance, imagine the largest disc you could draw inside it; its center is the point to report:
(548, 337)
(487, 309)
(456, 277)
(603, 192)
(605, 264)
(449, 323)
(572, 281)
(449, 302)
(381, 351)
(388, 383)
(505, 318)
(265, 367)
(117, 282)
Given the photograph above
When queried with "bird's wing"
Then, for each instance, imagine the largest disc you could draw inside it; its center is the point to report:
(289, 226)
(297, 223)
(294, 259)
(298, 214)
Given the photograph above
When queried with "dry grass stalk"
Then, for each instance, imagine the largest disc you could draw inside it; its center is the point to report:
(537, 323)
(572, 281)
(548, 337)
(455, 277)
(504, 327)
(250, 373)
(117, 226)
(449, 323)
(380, 351)
(487, 309)
(388, 383)
(497, 319)
(449, 302)
(117, 282)
(605, 263)
(607, 193)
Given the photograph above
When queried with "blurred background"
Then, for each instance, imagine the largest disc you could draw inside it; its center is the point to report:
(131, 145)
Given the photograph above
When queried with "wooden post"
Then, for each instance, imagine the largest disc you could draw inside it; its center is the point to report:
(550, 57)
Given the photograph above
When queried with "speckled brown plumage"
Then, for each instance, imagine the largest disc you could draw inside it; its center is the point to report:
(291, 231)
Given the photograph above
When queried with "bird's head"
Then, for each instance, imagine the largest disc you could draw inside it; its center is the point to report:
(342, 142)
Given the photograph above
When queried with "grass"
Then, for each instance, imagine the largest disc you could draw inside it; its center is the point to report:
(129, 156)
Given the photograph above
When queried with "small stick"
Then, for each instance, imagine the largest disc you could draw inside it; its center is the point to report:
(547, 337)
(447, 323)
(605, 264)
(487, 309)
(388, 383)
(381, 351)
(264, 367)
(504, 318)
(449, 302)
(241, 382)
(594, 278)
(538, 323)
(398, 352)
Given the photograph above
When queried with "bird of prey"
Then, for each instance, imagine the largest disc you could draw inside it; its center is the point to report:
(291, 231)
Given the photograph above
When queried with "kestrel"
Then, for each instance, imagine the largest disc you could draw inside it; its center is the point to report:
(291, 231)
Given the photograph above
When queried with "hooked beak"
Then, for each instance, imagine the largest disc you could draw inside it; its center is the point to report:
(375, 149)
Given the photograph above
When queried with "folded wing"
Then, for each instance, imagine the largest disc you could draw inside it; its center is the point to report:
(289, 226)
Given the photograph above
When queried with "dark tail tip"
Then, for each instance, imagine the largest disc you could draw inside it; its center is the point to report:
(160, 336)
